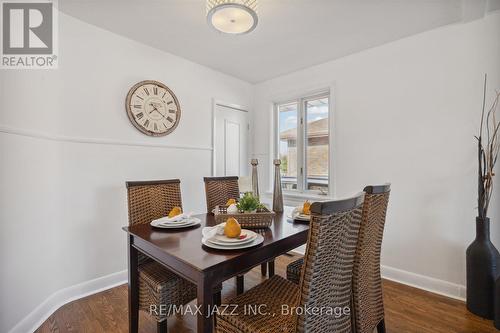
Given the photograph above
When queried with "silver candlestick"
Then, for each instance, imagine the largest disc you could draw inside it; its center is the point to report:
(255, 177)
(277, 194)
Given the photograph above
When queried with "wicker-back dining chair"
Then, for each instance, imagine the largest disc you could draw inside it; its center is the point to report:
(218, 191)
(147, 201)
(325, 284)
(368, 307)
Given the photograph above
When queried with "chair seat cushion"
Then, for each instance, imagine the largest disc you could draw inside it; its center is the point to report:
(294, 269)
(273, 293)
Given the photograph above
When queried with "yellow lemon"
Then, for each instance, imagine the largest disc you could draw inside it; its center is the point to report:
(175, 211)
(306, 209)
(232, 228)
(231, 202)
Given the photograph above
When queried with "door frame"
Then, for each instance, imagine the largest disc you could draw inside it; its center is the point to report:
(237, 107)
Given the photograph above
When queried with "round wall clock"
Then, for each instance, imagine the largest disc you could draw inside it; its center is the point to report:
(153, 108)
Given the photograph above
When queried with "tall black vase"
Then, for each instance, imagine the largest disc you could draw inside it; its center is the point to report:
(497, 303)
(482, 259)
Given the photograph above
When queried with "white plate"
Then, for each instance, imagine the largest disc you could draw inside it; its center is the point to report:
(217, 241)
(258, 240)
(300, 217)
(225, 239)
(184, 224)
(192, 224)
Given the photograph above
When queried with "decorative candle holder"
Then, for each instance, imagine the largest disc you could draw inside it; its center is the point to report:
(255, 177)
(277, 193)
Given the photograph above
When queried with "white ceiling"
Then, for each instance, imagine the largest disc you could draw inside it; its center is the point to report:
(291, 35)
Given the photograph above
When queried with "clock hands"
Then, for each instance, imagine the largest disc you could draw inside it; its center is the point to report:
(155, 109)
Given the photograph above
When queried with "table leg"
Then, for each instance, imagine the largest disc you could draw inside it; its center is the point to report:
(263, 269)
(133, 288)
(271, 268)
(206, 303)
(240, 284)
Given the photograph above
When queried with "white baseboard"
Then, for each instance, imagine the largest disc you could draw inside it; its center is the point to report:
(427, 283)
(33, 320)
(441, 287)
(43, 311)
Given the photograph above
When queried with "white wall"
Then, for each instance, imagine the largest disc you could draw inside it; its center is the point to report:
(406, 113)
(62, 176)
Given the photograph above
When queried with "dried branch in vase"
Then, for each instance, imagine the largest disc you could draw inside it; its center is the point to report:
(488, 145)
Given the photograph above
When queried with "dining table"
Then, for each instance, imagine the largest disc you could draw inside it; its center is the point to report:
(181, 251)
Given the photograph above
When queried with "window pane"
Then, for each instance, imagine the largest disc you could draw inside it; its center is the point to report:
(288, 114)
(316, 114)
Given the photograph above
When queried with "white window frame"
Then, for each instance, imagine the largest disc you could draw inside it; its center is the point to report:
(302, 190)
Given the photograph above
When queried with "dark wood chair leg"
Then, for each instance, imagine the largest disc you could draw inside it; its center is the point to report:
(381, 326)
(161, 326)
(240, 284)
(271, 268)
(263, 269)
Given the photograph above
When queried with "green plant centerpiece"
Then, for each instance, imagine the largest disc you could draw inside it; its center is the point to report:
(249, 203)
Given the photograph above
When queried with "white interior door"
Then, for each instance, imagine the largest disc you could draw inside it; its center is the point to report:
(231, 130)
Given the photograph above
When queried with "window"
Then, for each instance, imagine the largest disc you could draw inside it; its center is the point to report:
(303, 143)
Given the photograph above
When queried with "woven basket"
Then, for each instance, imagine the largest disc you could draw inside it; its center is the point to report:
(262, 218)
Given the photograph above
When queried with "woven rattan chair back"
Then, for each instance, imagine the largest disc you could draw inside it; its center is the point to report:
(368, 304)
(326, 279)
(150, 200)
(219, 190)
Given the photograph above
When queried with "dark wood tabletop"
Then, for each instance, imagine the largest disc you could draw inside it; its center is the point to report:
(181, 251)
(185, 244)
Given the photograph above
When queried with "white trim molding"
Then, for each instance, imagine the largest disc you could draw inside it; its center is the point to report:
(293, 199)
(433, 285)
(427, 283)
(35, 318)
(101, 141)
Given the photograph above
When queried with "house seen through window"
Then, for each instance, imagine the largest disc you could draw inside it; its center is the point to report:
(303, 143)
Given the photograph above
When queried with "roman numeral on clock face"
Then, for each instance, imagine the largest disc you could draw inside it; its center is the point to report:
(170, 119)
(146, 123)
(139, 115)
(156, 127)
(146, 91)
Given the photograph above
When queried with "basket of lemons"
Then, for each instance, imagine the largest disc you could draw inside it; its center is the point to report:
(248, 210)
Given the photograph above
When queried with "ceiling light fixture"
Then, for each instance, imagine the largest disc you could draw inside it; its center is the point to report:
(232, 16)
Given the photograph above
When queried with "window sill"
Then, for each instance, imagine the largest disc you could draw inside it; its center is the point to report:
(295, 199)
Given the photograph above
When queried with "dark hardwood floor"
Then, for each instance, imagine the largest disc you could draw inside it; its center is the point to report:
(407, 310)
